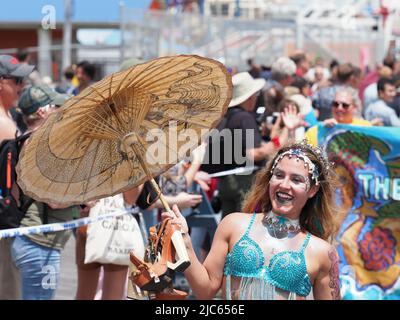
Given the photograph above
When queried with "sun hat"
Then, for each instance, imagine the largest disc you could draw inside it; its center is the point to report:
(244, 86)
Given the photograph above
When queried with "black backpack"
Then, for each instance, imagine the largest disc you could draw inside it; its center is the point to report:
(10, 213)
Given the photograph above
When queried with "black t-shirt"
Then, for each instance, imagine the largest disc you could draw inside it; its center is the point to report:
(232, 148)
(240, 122)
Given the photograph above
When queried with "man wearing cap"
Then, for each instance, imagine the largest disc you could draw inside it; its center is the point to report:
(37, 102)
(240, 118)
(12, 74)
(37, 256)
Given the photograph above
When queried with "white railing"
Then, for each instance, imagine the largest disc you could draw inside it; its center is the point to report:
(327, 30)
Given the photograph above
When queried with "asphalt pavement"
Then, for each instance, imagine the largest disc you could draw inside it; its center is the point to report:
(68, 278)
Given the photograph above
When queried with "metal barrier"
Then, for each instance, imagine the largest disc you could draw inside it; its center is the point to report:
(320, 30)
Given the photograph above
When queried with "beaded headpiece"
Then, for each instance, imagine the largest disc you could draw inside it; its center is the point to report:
(297, 150)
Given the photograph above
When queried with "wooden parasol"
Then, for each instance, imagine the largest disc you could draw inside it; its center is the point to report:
(120, 132)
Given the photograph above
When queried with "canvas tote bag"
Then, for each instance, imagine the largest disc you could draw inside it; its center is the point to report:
(111, 240)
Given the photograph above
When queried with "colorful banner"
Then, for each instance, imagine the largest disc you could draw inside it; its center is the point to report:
(367, 161)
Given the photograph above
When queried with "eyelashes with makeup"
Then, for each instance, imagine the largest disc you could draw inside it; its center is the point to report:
(294, 179)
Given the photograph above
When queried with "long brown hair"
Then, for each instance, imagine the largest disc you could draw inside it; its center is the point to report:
(320, 214)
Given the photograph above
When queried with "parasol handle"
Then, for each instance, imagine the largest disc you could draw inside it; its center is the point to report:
(146, 170)
(162, 198)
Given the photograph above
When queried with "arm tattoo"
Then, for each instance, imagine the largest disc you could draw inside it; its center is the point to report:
(334, 283)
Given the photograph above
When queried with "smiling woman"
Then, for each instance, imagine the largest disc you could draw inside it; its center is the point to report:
(278, 247)
(301, 184)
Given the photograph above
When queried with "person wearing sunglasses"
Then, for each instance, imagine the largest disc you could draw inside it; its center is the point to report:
(343, 108)
(12, 74)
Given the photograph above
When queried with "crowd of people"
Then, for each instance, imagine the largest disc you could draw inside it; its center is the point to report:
(276, 238)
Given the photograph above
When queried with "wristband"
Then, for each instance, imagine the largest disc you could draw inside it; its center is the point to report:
(275, 141)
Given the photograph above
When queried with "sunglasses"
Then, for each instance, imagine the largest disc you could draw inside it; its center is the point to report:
(344, 105)
(18, 80)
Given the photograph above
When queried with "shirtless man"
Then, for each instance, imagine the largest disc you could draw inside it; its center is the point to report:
(12, 74)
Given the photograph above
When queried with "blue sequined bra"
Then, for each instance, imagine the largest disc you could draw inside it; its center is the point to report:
(286, 270)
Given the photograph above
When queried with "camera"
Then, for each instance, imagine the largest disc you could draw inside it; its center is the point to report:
(272, 119)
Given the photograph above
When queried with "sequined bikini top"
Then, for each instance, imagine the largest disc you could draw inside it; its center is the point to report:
(286, 270)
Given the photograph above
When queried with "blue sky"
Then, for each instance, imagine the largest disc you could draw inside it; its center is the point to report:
(83, 10)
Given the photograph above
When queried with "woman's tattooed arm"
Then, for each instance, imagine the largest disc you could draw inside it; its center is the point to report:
(334, 282)
(326, 285)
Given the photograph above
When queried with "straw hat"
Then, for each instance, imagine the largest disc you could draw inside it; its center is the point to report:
(244, 86)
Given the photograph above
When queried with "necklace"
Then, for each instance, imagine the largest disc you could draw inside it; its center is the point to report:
(281, 223)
